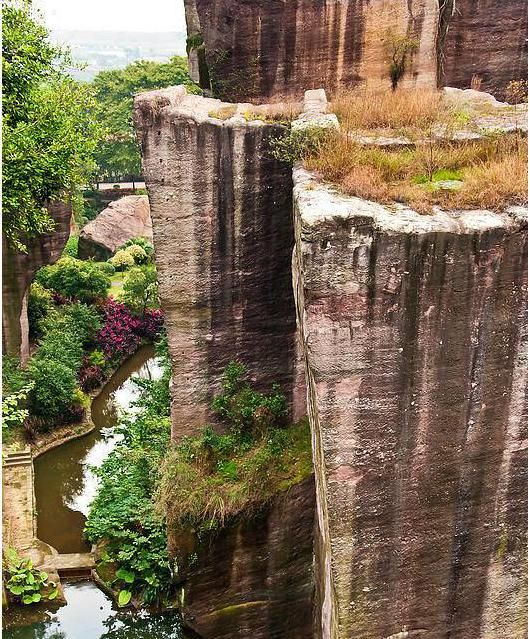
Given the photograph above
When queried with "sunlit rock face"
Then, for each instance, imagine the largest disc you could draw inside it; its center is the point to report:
(262, 49)
(485, 44)
(222, 227)
(415, 337)
(18, 270)
(254, 578)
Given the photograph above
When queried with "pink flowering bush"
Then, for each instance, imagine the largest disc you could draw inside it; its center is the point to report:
(122, 332)
(91, 376)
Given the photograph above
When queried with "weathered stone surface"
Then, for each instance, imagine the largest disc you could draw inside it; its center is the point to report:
(486, 39)
(122, 220)
(18, 270)
(414, 329)
(254, 579)
(260, 49)
(222, 222)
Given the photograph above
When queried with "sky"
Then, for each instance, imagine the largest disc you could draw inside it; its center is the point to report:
(113, 15)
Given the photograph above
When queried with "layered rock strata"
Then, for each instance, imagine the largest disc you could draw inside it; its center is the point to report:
(222, 227)
(254, 578)
(18, 270)
(414, 330)
(260, 50)
(122, 220)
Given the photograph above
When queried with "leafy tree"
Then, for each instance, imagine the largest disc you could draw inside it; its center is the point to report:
(140, 289)
(75, 279)
(119, 155)
(49, 123)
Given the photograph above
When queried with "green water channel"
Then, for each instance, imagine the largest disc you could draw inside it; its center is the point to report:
(64, 488)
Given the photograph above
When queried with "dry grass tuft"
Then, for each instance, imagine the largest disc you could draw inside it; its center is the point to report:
(493, 172)
(383, 109)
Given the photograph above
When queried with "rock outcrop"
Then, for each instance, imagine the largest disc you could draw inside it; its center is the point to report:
(222, 227)
(254, 578)
(18, 270)
(414, 329)
(122, 220)
(263, 49)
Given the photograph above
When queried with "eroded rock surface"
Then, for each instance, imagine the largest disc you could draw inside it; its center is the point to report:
(254, 578)
(222, 222)
(122, 220)
(18, 270)
(415, 335)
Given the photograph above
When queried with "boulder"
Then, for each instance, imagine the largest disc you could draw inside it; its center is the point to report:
(122, 220)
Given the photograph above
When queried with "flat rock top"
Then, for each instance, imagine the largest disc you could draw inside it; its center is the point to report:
(122, 220)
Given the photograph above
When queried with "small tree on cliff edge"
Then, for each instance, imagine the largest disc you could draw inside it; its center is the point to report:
(399, 48)
(50, 130)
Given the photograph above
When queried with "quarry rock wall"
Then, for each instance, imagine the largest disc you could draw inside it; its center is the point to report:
(18, 271)
(260, 50)
(414, 330)
(254, 578)
(222, 226)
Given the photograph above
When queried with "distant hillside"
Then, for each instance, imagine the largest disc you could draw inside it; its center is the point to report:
(101, 50)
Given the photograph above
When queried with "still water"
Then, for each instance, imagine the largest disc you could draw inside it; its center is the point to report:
(64, 488)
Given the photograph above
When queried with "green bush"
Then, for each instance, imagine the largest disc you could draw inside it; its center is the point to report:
(75, 279)
(25, 583)
(140, 241)
(140, 289)
(107, 268)
(72, 247)
(54, 390)
(14, 378)
(63, 347)
(122, 260)
(299, 144)
(40, 304)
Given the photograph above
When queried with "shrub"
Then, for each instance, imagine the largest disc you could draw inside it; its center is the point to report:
(14, 378)
(75, 279)
(107, 268)
(140, 289)
(152, 324)
(64, 347)
(122, 260)
(120, 333)
(13, 414)
(72, 247)
(96, 358)
(40, 303)
(91, 377)
(25, 583)
(298, 144)
(53, 393)
(140, 241)
(138, 253)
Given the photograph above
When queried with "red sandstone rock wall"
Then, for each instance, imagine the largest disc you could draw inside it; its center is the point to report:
(262, 49)
(415, 333)
(18, 270)
(254, 579)
(487, 39)
(222, 227)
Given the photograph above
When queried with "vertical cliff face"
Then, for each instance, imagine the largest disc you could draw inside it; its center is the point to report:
(222, 228)
(260, 49)
(18, 272)
(254, 578)
(414, 328)
(486, 39)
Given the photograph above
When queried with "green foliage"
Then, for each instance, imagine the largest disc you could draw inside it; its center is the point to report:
(107, 268)
(118, 155)
(75, 279)
(399, 48)
(24, 582)
(49, 128)
(140, 289)
(97, 358)
(122, 260)
(214, 477)
(12, 413)
(122, 514)
(40, 304)
(72, 247)
(299, 144)
(14, 377)
(140, 241)
(55, 384)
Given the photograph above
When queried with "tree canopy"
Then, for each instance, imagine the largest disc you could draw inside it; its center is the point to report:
(119, 155)
(49, 122)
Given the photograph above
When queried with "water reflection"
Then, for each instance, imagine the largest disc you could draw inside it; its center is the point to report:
(64, 483)
(89, 614)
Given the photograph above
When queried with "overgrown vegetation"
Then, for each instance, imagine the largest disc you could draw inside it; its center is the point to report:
(213, 478)
(24, 583)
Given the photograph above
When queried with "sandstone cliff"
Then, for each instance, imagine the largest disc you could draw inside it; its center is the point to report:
(414, 330)
(262, 49)
(222, 228)
(18, 272)
(122, 220)
(254, 578)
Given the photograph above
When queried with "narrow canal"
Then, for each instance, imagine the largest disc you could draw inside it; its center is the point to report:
(64, 488)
